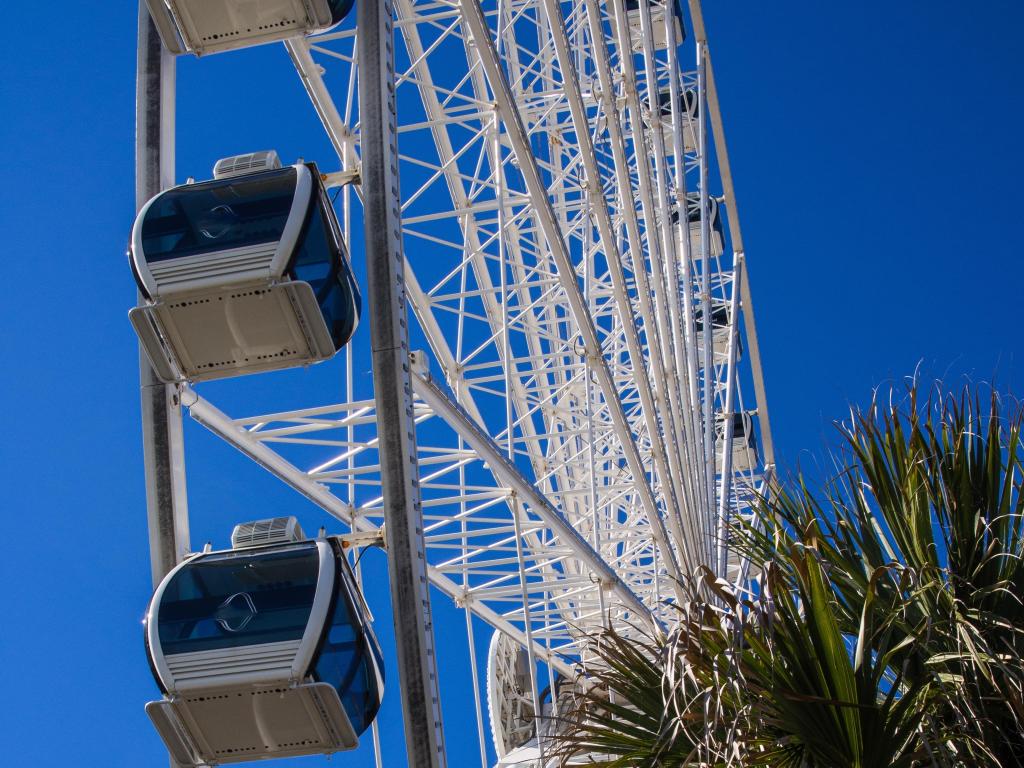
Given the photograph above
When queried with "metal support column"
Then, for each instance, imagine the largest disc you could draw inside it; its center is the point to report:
(725, 491)
(163, 448)
(407, 565)
(162, 440)
(705, 286)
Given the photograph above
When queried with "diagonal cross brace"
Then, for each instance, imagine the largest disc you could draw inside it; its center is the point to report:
(507, 474)
(479, 32)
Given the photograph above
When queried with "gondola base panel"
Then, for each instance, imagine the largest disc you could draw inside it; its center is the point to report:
(232, 726)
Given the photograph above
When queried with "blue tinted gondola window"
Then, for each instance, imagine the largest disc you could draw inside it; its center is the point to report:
(318, 262)
(227, 601)
(340, 307)
(348, 661)
(313, 256)
(218, 215)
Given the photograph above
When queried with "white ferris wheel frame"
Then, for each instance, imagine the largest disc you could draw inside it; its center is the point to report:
(611, 473)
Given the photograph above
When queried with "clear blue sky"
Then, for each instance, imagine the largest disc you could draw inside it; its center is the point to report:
(876, 149)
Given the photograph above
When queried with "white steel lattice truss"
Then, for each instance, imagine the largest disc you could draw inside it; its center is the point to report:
(577, 448)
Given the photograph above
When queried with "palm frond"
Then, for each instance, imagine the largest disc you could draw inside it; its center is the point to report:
(886, 628)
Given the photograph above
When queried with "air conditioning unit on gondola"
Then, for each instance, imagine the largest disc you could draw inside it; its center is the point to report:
(240, 165)
(276, 530)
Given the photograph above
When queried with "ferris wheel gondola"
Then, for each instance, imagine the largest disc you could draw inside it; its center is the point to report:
(716, 235)
(211, 26)
(245, 273)
(744, 443)
(720, 332)
(526, 244)
(690, 114)
(262, 651)
(658, 22)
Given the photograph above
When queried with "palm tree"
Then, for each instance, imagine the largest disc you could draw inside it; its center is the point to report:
(886, 628)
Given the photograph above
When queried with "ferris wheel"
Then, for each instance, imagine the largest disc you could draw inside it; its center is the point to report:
(567, 409)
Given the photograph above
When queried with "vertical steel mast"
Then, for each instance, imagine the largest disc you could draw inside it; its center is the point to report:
(163, 447)
(396, 428)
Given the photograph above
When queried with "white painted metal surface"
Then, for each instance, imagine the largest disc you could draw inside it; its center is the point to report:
(210, 26)
(574, 434)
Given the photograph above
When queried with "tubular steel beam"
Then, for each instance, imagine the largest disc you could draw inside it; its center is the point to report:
(613, 255)
(162, 443)
(505, 471)
(663, 292)
(312, 80)
(721, 535)
(670, 254)
(476, 23)
(407, 562)
(220, 424)
(735, 234)
(648, 311)
(336, 129)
